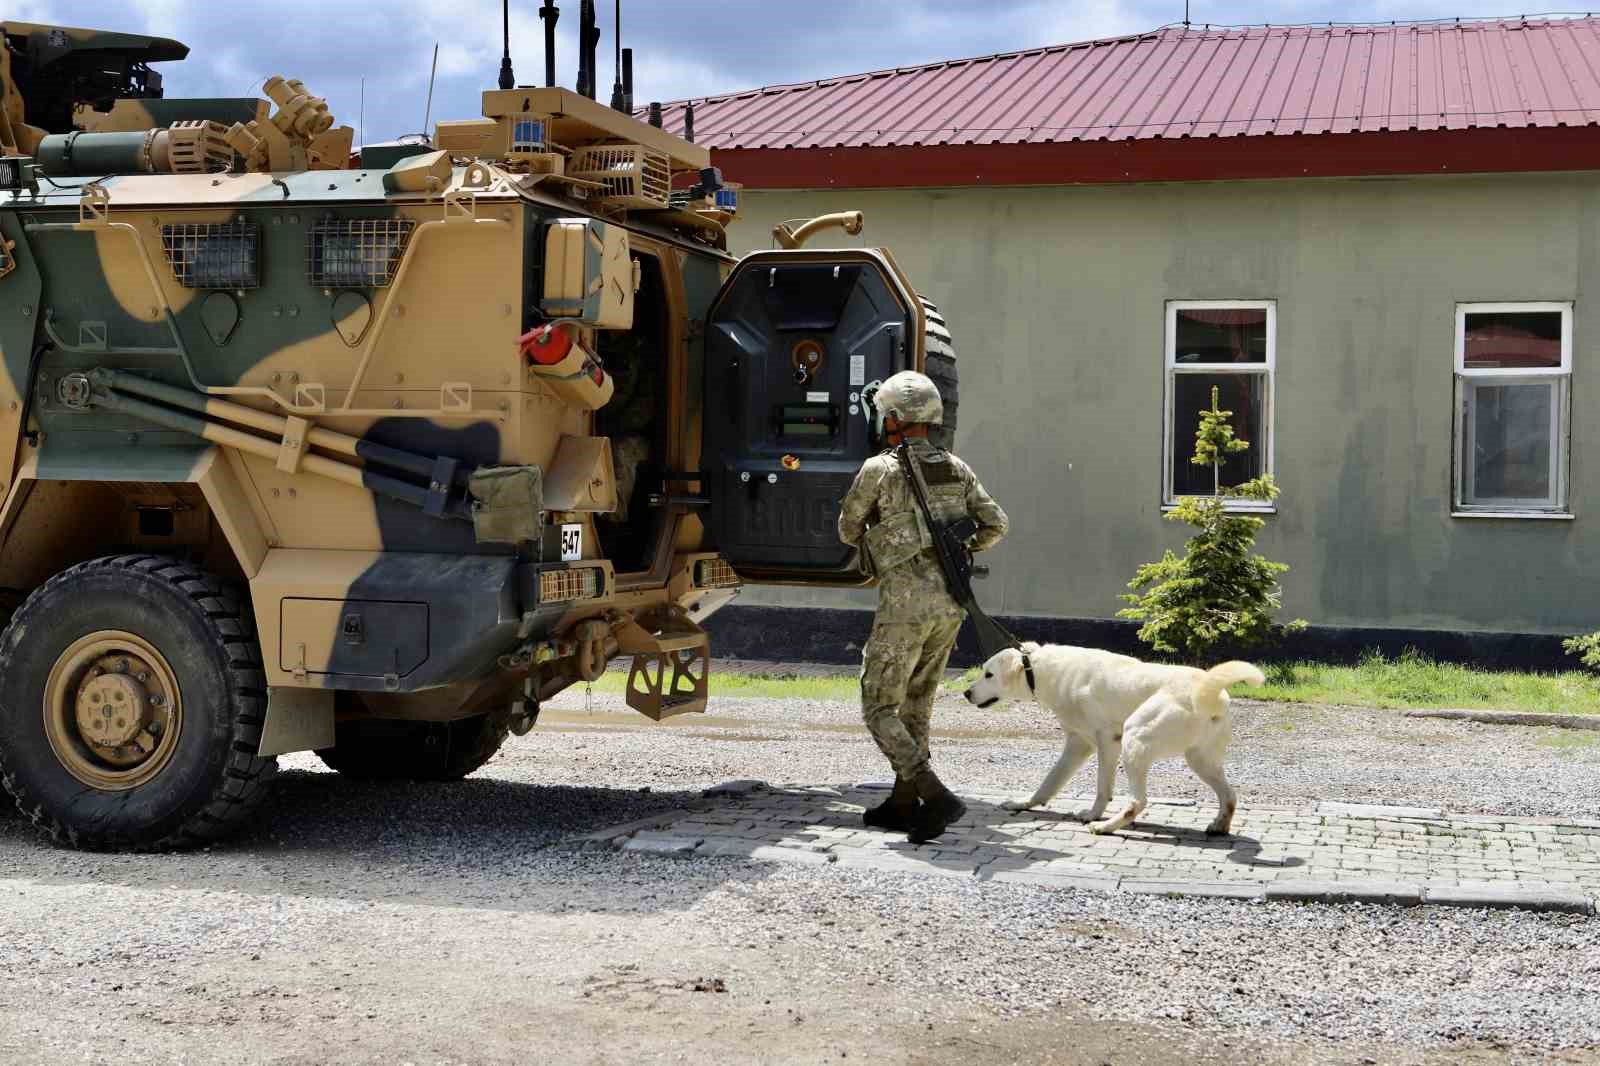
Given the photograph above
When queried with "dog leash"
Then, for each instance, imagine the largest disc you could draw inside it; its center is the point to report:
(1027, 671)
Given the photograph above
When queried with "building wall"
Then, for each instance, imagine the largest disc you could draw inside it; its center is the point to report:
(1056, 298)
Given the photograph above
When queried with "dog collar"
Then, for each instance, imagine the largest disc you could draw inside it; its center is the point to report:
(1027, 671)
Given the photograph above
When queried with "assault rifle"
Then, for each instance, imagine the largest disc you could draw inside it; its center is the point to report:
(955, 561)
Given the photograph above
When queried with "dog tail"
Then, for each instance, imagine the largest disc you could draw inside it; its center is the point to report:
(1208, 688)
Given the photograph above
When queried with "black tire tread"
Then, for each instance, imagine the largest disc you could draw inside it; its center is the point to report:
(246, 777)
(940, 365)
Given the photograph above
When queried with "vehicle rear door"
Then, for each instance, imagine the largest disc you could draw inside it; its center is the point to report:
(795, 344)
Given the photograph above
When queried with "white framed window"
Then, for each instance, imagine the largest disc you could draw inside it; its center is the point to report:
(1229, 345)
(1513, 368)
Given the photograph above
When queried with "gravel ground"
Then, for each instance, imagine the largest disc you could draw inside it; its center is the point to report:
(1281, 753)
(432, 924)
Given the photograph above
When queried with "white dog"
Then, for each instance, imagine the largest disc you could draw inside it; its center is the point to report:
(1111, 704)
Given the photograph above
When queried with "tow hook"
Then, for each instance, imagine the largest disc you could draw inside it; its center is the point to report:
(591, 636)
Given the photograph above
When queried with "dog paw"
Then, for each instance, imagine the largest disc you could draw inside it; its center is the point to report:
(1102, 828)
(1215, 830)
(1089, 814)
(1016, 805)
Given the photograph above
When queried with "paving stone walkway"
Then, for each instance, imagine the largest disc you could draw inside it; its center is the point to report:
(1335, 852)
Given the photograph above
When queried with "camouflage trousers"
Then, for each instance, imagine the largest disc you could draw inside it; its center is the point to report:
(900, 672)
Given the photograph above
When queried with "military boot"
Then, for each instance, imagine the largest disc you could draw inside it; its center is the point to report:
(899, 811)
(940, 807)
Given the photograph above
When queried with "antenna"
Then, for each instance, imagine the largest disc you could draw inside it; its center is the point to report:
(361, 115)
(588, 42)
(1186, 12)
(508, 80)
(616, 86)
(549, 12)
(427, 116)
(627, 80)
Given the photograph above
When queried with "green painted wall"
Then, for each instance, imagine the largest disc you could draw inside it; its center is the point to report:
(1055, 297)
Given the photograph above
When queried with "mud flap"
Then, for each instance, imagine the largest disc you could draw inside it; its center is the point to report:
(671, 662)
(298, 719)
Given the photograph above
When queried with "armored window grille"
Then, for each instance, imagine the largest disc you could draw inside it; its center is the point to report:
(356, 253)
(1229, 345)
(214, 255)
(1513, 365)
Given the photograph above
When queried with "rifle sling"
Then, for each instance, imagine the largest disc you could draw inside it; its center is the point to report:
(992, 636)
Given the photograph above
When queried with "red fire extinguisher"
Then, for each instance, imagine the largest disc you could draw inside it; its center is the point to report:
(546, 345)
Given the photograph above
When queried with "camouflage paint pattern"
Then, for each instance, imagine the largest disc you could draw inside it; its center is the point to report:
(315, 438)
(917, 621)
(427, 364)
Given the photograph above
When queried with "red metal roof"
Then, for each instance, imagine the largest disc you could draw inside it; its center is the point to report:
(1189, 82)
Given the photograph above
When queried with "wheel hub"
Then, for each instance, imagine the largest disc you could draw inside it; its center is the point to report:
(112, 711)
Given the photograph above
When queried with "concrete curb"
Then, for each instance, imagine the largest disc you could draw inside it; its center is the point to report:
(1510, 897)
(1559, 721)
(1345, 892)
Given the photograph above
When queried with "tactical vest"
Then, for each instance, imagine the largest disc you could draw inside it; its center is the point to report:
(901, 533)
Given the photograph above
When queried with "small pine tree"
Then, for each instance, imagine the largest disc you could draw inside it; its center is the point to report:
(1219, 593)
(1586, 648)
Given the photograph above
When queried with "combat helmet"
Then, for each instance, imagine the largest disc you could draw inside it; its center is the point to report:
(910, 397)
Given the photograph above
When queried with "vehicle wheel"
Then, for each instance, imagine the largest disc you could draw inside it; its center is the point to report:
(941, 367)
(131, 705)
(379, 749)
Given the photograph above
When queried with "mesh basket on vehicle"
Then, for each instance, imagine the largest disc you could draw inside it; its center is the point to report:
(630, 174)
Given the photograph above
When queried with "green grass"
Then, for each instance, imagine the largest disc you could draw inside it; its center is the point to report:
(1414, 681)
(1569, 740)
(1406, 682)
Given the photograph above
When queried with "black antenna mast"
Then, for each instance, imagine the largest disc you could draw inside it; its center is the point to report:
(550, 12)
(588, 43)
(508, 80)
(618, 102)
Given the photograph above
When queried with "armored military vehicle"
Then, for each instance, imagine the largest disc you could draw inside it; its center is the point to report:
(369, 453)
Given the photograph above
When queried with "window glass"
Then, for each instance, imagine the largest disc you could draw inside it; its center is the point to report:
(1497, 340)
(1511, 439)
(1245, 396)
(1221, 335)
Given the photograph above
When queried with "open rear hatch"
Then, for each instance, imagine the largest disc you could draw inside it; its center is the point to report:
(796, 343)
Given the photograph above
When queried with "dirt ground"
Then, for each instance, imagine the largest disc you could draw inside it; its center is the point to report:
(391, 924)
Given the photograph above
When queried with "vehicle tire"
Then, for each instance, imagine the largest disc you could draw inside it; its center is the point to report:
(941, 367)
(131, 707)
(379, 749)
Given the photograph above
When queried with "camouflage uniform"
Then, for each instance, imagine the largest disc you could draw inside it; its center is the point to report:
(917, 620)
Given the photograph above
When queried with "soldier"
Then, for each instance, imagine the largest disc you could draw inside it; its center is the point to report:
(917, 620)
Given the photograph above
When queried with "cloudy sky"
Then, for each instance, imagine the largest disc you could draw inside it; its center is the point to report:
(681, 47)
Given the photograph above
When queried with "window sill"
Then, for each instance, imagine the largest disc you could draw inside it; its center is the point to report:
(1547, 516)
(1233, 508)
